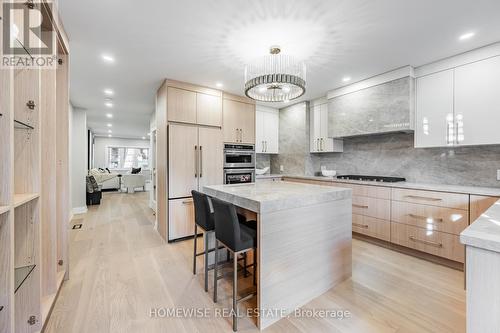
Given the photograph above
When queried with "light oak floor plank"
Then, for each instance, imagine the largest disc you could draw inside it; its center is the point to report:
(120, 269)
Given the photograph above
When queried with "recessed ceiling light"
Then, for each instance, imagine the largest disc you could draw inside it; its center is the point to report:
(466, 36)
(108, 58)
(109, 136)
(149, 134)
(219, 85)
(110, 125)
(144, 138)
(346, 79)
(109, 104)
(109, 92)
(110, 131)
(109, 115)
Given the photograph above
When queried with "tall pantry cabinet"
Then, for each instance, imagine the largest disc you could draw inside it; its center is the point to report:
(190, 152)
(34, 211)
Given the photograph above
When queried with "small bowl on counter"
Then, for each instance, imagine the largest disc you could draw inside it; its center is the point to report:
(261, 171)
(328, 173)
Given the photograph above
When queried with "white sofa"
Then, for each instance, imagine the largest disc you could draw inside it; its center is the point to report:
(133, 181)
(106, 180)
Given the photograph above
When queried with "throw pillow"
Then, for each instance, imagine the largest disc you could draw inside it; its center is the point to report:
(135, 170)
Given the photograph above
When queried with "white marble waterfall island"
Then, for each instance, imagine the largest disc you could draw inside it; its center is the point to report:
(304, 241)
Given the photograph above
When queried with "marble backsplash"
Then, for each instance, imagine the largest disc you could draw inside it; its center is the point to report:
(382, 155)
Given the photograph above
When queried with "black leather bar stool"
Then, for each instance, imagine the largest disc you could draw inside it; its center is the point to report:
(204, 219)
(237, 238)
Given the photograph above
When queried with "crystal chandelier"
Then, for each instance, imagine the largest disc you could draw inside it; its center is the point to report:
(275, 78)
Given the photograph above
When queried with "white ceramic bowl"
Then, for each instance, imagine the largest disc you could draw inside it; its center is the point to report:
(329, 173)
(261, 171)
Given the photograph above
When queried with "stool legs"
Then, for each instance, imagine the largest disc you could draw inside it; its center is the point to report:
(215, 269)
(194, 255)
(235, 291)
(206, 260)
(245, 273)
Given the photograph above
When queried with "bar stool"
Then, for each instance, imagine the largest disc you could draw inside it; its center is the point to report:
(237, 238)
(204, 219)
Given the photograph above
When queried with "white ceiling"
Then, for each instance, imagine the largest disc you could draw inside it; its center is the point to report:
(209, 41)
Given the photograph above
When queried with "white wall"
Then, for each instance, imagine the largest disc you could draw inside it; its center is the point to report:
(78, 159)
(101, 144)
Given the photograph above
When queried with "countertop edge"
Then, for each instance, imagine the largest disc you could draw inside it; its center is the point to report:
(484, 233)
(473, 190)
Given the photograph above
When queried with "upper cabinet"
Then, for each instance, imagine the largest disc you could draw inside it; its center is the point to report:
(459, 106)
(267, 130)
(376, 108)
(319, 140)
(238, 119)
(434, 110)
(202, 106)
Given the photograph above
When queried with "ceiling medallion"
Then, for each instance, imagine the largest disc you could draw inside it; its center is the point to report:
(275, 78)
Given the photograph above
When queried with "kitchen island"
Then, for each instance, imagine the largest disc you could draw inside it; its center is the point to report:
(304, 238)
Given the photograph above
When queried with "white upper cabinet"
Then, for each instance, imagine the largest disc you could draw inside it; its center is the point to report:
(477, 102)
(319, 140)
(434, 110)
(459, 106)
(267, 130)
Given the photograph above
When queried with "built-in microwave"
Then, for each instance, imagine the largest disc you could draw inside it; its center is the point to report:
(239, 156)
(239, 176)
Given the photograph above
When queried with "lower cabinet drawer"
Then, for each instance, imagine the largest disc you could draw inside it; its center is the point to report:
(450, 220)
(372, 207)
(180, 218)
(372, 227)
(434, 242)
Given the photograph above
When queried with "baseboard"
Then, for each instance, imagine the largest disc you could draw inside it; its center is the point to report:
(79, 210)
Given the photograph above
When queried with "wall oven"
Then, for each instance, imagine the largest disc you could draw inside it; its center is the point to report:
(239, 156)
(239, 176)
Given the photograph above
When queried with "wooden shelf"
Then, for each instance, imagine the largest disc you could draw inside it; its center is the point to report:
(4, 209)
(21, 199)
(49, 300)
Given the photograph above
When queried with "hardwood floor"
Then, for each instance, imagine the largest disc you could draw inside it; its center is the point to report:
(120, 269)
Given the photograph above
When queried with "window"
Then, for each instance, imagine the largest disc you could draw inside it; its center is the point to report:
(128, 157)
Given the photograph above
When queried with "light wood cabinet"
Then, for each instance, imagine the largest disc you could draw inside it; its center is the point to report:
(449, 220)
(181, 218)
(208, 110)
(479, 204)
(432, 198)
(182, 160)
(267, 130)
(181, 105)
(433, 242)
(372, 227)
(378, 208)
(211, 168)
(238, 121)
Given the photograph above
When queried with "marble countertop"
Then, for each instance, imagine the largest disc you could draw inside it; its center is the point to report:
(474, 190)
(484, 233)
(264, 197)
(268, 175)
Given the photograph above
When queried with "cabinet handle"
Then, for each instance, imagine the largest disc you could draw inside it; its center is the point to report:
(241, 135)
(187, 202)
(195, 161)
(31, 105)
(456, 132)
(364, 226)
(420, 217)
(266, 145)
(322, 145)
(426, 242)
(359, 206)
(417, 197)
(201, 161)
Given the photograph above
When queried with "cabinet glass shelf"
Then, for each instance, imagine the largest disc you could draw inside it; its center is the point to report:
(21, 274)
